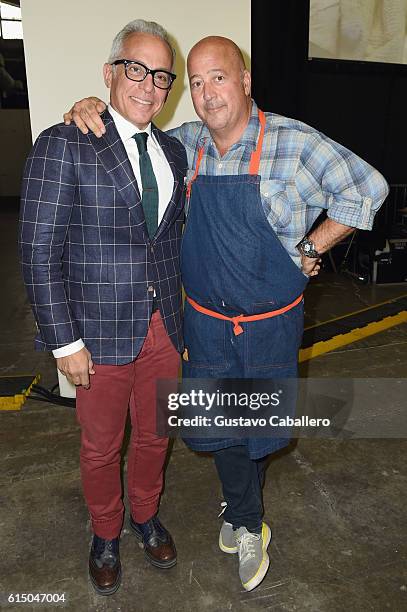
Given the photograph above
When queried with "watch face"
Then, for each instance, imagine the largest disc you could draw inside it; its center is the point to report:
(307, 247)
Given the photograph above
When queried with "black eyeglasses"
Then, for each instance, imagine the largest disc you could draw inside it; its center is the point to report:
(136, 71)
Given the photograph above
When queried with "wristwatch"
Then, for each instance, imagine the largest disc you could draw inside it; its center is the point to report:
(307, 247)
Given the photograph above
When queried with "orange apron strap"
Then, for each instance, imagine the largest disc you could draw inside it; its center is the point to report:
(237, 328)
(256, 155)
(198, 163)
(254, 159)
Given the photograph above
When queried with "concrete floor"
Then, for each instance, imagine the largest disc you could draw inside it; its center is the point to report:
(337, 507)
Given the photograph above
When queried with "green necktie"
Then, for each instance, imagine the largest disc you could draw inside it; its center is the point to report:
(149, 183)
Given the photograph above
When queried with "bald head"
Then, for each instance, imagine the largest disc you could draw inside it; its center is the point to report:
(217, 44)
(220, 88)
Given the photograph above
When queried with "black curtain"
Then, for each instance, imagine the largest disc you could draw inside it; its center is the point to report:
(360, 104)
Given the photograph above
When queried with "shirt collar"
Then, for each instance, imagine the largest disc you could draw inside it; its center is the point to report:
(249, 136)
(251, 133)
(125, 128)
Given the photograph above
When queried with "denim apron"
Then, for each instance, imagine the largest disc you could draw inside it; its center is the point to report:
(233, 263)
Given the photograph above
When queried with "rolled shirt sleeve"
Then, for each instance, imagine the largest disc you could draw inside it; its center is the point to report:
(332, 177)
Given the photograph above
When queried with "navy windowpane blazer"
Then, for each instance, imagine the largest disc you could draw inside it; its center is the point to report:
(87, 260)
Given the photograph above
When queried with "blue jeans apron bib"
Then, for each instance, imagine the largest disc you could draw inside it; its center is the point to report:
(233, 263)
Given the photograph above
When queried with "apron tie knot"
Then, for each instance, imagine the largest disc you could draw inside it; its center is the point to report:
(237, 328)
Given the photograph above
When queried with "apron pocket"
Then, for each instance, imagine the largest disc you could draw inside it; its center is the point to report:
(275, 341)
(204, 339)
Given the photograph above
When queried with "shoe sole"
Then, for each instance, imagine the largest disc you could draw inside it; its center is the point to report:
(109, 591)
(264, 565)
(230, 550)
(159, 564)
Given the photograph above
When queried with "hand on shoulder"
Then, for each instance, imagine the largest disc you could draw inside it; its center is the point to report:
(86, 115)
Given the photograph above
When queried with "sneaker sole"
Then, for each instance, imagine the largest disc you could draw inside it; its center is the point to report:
(264, 565)
(230, 550)
(159, 564)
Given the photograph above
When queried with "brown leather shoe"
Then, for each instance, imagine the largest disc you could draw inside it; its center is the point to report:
(159, 547)
(105, 569)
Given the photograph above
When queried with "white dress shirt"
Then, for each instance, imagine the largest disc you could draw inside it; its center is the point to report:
(161, 167)
(163, 174)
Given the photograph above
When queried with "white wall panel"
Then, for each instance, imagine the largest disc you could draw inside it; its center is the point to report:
(67, 41)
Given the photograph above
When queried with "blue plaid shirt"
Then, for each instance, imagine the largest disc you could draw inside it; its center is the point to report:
(302, 172)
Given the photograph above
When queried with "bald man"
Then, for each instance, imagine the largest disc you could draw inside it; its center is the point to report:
(257, 183)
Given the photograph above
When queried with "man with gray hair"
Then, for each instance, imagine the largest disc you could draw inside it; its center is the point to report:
(101, 223)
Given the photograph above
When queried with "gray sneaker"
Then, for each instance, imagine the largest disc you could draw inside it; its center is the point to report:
(227, 538)
(253, 558)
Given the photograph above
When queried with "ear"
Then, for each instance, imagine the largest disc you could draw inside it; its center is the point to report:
(108, 74)
(247, 82)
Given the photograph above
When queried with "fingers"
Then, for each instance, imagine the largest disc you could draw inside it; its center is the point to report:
(317, 267)
(91, 369)
(77, 378)
(310, 267)
(89, 118)
(81, 380)
(77, 368)
(80, 117)
(100, 105)
(68, 117)
(315, 270)
(85, 114)
(75, 115)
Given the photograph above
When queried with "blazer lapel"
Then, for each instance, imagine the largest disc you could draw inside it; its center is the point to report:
(112, 155)
(175, 202)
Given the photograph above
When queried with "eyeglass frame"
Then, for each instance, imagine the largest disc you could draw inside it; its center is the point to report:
(126, 62)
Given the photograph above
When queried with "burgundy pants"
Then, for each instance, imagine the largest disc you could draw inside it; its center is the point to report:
(102, 412)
